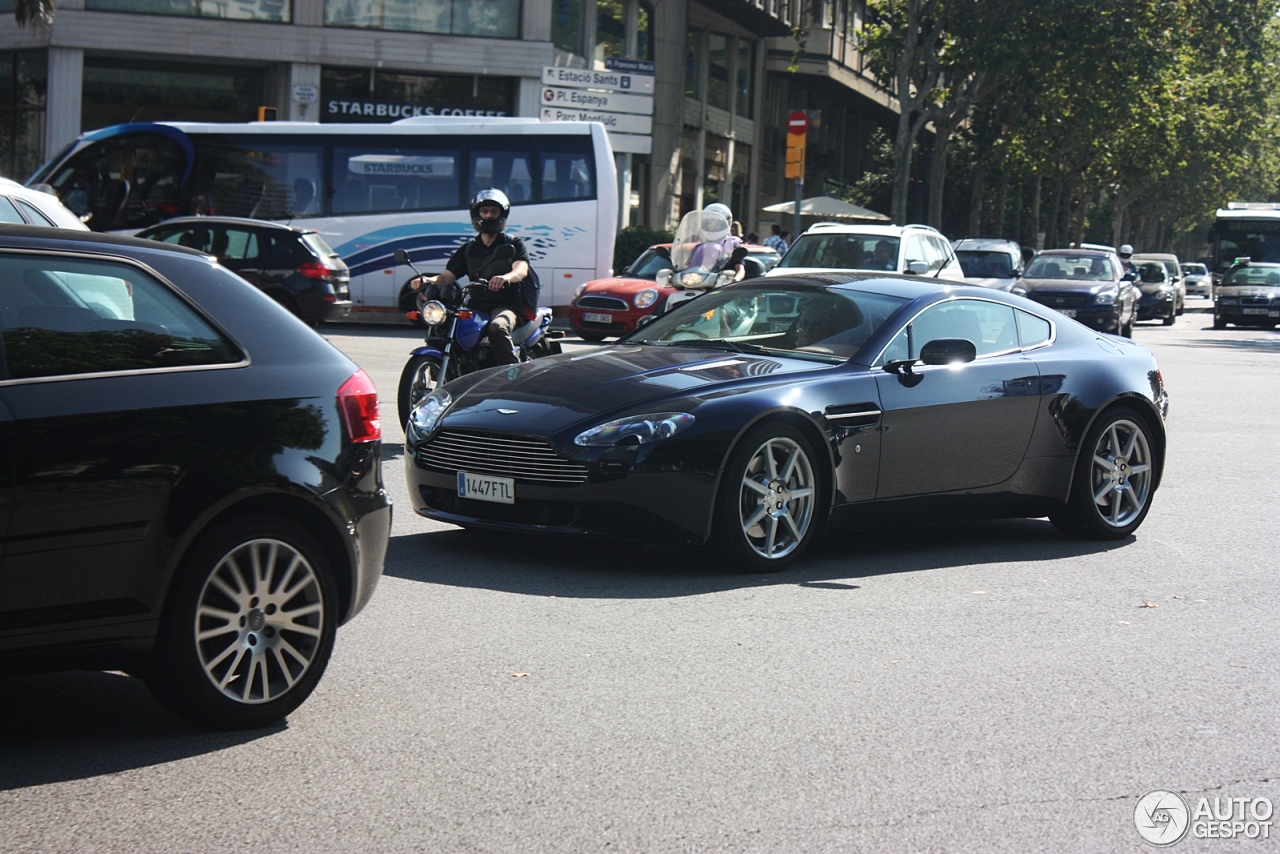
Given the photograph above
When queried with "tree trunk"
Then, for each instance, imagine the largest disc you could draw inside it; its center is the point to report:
(1077, 228)
(1036, 238)
(1002, 199)
(938, 172)
(1051, 224)
(902, 145)
(975, 197)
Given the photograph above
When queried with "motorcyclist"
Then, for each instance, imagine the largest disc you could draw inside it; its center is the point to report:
(501, 300)
(719, 243)
(1127, 266)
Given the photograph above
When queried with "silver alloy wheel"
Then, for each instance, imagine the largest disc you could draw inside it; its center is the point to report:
(776, 498)
(259, 621)
(1121, 473)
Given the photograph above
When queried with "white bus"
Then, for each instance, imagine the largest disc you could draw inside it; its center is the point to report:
(368, 189)
(1244, 230)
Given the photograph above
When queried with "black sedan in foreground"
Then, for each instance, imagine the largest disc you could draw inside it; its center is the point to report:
(751, 415)
(190, 478)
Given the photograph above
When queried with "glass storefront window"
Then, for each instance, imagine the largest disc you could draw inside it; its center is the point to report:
(718, 71)
(566, 25)
(745, 100)
(241, 10)
(23, 85)
(491, 18)
(691, 67)
(117, 91)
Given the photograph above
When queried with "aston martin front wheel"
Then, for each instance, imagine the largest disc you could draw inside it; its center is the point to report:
(248, 625)
(769, 501)
(1114, 480)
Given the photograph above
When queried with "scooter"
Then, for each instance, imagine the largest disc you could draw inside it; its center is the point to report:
(457, 339)
(699, 262)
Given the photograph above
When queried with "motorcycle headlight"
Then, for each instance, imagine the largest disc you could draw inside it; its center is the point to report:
(426, 415)
(434, 313)
(636, 430)
(1105, 298)
(691, 279)
(577, 293)
(645, 298)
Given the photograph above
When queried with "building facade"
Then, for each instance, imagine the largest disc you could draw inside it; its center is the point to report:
(722, 78)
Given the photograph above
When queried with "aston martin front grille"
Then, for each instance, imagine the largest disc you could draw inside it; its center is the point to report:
(526, 458)
(611, 303)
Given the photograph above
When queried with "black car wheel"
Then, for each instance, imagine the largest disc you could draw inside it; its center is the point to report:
(1114, 479)
(420, 377)
(248, 625)
(766, 512)
(1169, 321)
(1219, 323)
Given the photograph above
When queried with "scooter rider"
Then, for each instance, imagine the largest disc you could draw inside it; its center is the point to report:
(501, 300)
(1127, 266)
(718, 241)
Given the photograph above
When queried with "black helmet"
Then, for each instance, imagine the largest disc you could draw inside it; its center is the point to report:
(494, 197)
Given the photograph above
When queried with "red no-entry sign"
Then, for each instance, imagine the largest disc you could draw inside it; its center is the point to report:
(797, 122)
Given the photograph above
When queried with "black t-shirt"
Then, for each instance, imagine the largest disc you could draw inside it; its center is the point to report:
(475, 261)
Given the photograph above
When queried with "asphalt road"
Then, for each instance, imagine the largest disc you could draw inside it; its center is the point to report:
(988, 687)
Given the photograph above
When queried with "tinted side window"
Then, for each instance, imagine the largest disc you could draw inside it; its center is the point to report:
(65, 316)
(989, 326)
(8, 213)
(1033, 331)
(380, 178)
(914, 251)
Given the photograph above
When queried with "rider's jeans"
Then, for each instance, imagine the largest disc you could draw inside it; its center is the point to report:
(500, 326)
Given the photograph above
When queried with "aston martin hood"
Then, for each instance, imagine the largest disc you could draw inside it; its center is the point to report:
(557, 392)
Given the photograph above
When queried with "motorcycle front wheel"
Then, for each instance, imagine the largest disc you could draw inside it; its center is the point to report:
(420, 377)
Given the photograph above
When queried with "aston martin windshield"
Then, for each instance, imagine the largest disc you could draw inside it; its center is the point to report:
(825, 325)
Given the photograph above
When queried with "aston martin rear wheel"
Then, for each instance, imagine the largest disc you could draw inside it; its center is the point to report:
(767, 509)
(1114, 479)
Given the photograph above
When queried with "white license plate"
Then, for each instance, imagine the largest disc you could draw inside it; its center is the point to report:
(1261, 311)
(597, 318)
(482, 487)
(1069, 312)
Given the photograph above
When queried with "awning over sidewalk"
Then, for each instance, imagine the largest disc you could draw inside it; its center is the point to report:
(825, 207)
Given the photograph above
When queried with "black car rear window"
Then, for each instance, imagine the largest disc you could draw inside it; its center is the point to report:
(64, 316)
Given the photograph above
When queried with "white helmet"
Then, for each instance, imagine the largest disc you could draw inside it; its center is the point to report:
(1125, 251)
(713, 225)
(717, 207)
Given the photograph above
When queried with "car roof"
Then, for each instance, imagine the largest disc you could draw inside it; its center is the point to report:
(1154, 256)
(93, 240)
(227, 220)
(46, 202)
(1101, 253)
(866, 228)
(889, 284)
(986, 243)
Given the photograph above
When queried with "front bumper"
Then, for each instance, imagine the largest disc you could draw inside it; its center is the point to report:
(1151, 306)
(1242, 315)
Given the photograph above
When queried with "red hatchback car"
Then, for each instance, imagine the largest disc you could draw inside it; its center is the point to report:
(613, 306)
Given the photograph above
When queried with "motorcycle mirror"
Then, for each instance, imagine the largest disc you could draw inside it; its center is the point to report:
(402, 257)
(662, 252)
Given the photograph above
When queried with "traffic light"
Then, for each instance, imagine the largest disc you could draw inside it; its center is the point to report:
(795, 155)
(266, 114)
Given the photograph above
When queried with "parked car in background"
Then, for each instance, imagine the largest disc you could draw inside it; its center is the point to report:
(1086, 284)
(614, 306)
(1159, 298)
(917, 250)
(1197, 279)
(1249, 295)
(191, 481)
(990, 262)
(1174, 268)
(21, 205)
(292, 265)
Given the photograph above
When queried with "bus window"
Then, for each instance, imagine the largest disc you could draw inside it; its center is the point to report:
(128, 181)
(255, 176)
(507, 171)
(566, 176)
(369, 179)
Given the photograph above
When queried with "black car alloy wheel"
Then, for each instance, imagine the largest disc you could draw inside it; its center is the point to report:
(248, 626)
(1114, 480)
(768, 499)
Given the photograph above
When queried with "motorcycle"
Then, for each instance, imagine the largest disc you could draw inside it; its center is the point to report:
(701, 259)
(457, 340)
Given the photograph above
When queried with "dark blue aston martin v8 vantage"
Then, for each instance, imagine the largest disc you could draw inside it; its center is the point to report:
(753, 416)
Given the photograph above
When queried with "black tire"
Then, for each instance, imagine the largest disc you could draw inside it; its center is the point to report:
(420, 377)
(747, 546)
(592, 337)
(1169, 321)
(1182, 306)
(1109, 501)
(257, 665)
(1219, 323)
(1126, 331)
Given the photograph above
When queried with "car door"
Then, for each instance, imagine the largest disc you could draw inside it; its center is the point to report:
(956, 427)
(104, 424)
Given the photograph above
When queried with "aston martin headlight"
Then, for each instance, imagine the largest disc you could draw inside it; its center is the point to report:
(426, 415)
(434, 313)
(578, 292)
(1105, 297)
(636, 430)
(645, 298)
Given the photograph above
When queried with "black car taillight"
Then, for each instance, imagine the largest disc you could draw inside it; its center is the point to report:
(358, 403)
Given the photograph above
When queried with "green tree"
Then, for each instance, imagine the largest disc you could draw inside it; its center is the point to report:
(28, 11)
